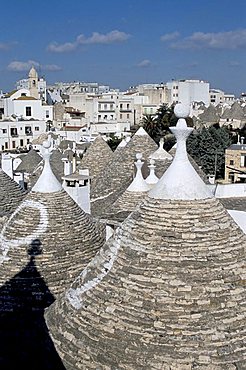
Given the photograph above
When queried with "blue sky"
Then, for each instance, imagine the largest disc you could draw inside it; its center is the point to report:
(123, 43)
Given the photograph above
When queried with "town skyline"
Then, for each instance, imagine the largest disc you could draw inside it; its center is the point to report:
(123, 44)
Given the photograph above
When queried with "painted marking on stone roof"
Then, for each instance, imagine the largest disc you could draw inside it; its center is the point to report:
(105, 196)
(94, 273)
(6, 244)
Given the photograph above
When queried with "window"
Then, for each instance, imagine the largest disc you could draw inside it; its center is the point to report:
(127, 106)
(111, 106)
(4, 131)
(13, 131)
(28, 141)
(121, 105)
(120, 116)
(243, 161)
(21, 142)
(36, 128)
(33, 83)
(47, 114)
(6, 145)
(28, 130)
(105, 106)
(231, 162)
(13, 144)
(127, 116)
(28, 111)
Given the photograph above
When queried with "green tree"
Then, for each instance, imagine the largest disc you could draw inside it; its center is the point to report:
(150, 125)
(113, 141)
(157, 125)
(207, 147)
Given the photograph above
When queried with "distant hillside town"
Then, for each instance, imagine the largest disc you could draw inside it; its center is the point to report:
(80, 111)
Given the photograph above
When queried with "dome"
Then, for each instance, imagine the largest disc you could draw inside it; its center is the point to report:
(66, 236)
(11, 194)
(114, 179)
(167, 291)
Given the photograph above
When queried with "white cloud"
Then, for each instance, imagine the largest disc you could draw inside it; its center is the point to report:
(18, 66)
(96, 38)
(211, 40)
(188, 65)
(51, 67)
(63, 48)
(170, 36)
(4, 46)
(234, 63)
(144, 63)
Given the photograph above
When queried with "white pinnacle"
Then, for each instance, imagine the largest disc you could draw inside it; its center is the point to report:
(138, 184)
(47, 182)
(152, 179)
(161, 153)
(180, 181)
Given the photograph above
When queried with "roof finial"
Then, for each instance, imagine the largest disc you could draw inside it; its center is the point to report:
(181, 181)
(152, 179)
(138, 184)
(47, 182)
(161, 153)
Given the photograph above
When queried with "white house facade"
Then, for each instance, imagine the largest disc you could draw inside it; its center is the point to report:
(189, 91)
(19, 134)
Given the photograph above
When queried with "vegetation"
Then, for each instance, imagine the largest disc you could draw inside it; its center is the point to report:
(158, 125)
(113, 141)
(206, 145)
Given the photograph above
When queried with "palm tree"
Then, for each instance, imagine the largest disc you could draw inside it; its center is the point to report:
(150, 125)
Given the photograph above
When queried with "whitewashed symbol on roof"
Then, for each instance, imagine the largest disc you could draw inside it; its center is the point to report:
(6, 243)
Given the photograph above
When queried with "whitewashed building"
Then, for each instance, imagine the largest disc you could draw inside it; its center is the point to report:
(219, 97)
(19, 134)
(21, 104)
(189, 91)
(36, 85)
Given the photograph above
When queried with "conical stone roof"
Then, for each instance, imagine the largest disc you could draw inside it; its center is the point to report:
(114, 179)
(235, 112)
(56, 164)
(96, 157)
(162, 158)
(209, 116)
(199, 170)
(29, 162)
(131, 197)
(67, 236)
(167, 291)
(11, 194)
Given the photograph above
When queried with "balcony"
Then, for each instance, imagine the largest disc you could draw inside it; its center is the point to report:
(125, 110)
